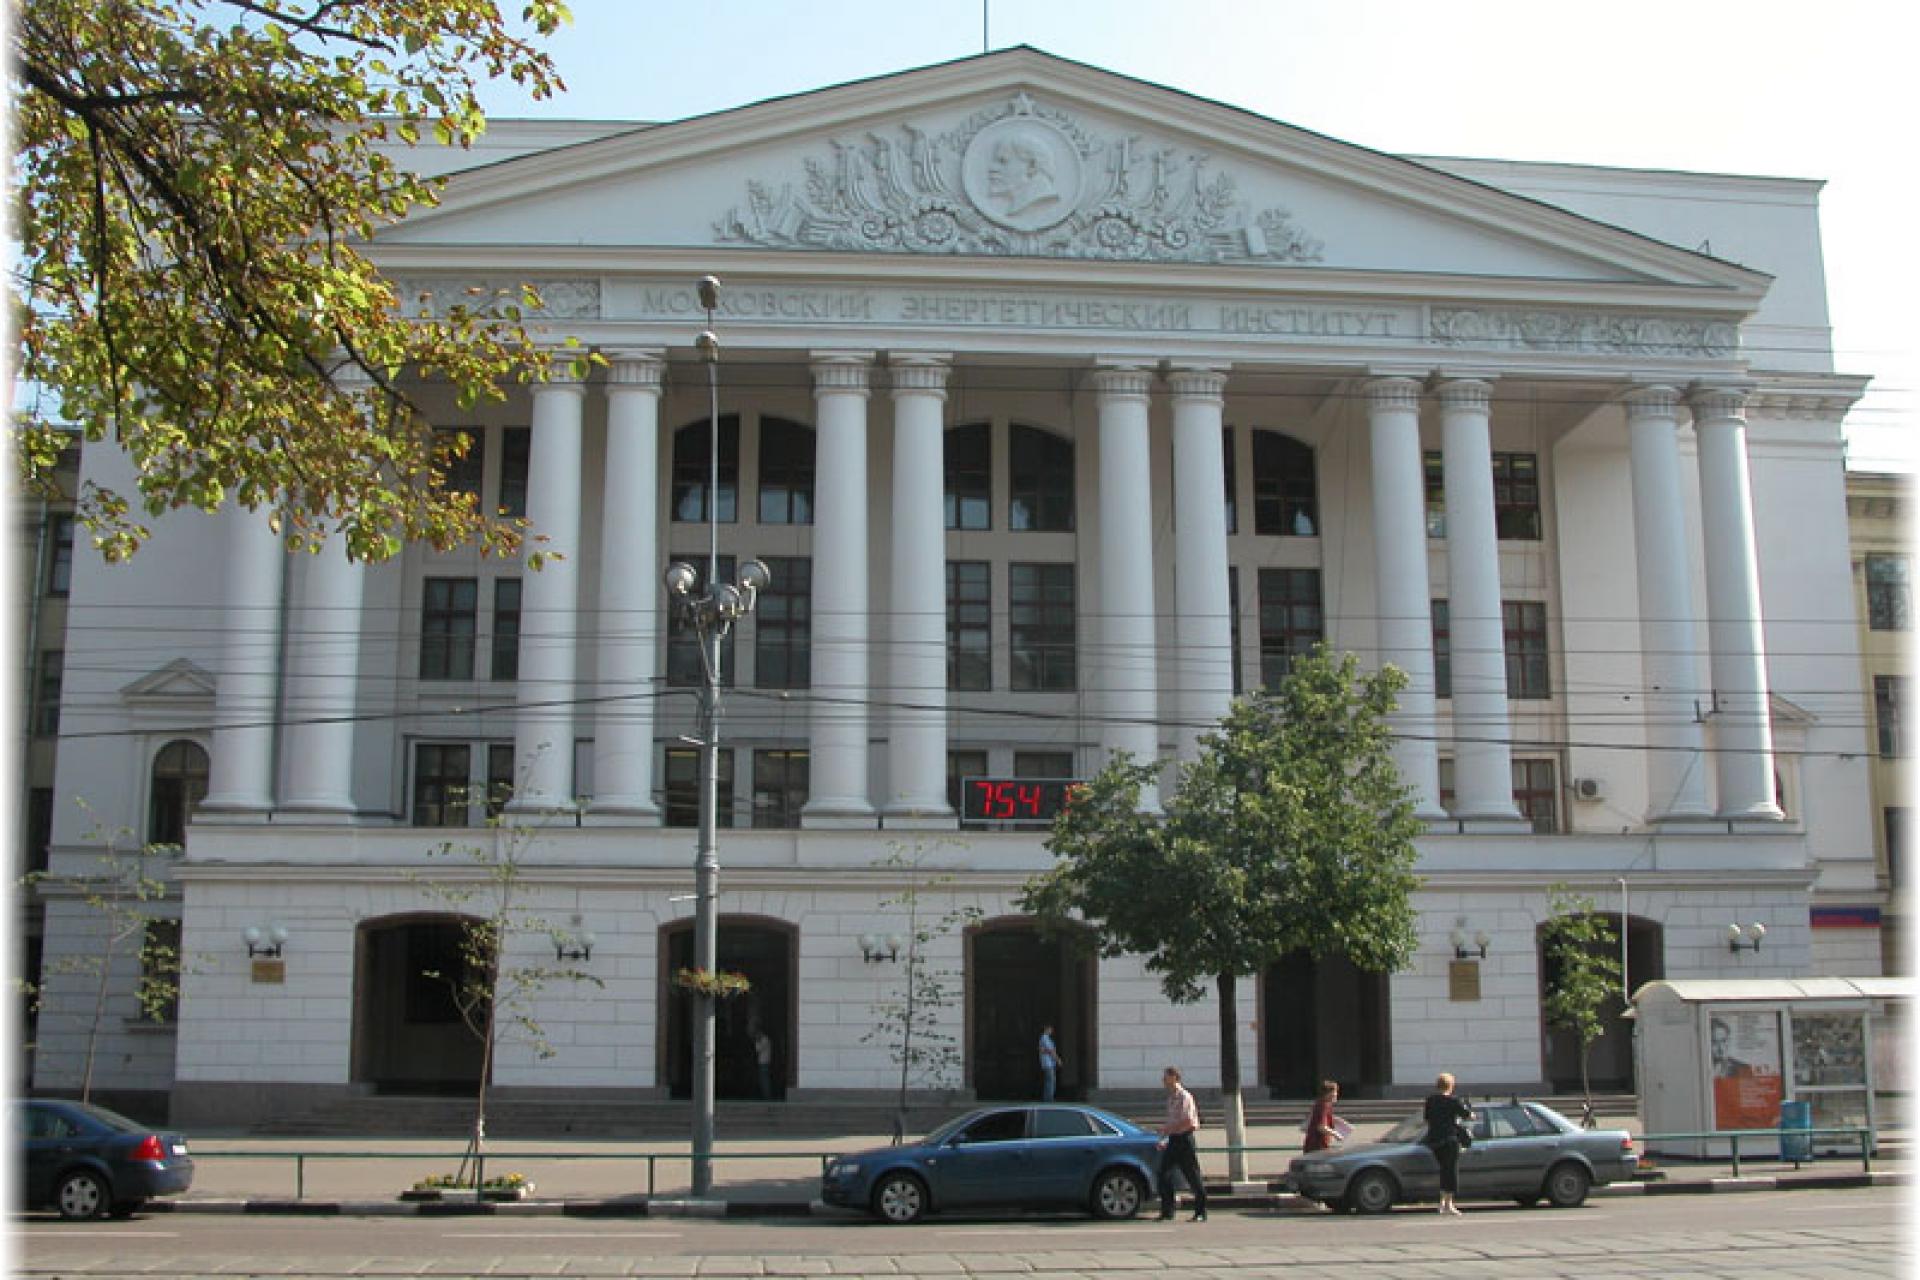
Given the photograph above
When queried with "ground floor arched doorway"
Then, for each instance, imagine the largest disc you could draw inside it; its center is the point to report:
(1019, 981)
(1610, 1059)
(767, 952)
(408, 1034)
(1324, 1019)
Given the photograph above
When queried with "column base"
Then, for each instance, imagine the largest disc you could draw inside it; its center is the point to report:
(616, 814)
(839, 815)
(232, 812)
(1487, 826)
(541, 807)
(919, 818)
(1689, 821)
(320, 815)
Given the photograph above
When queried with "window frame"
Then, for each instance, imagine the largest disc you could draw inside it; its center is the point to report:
(785, 485)
(969, 626)
(503, 643)
(178, 778)
(1285, 485)
(788, 789)
(1283, 640)
(967, 488)
(60, 534)
(692, 469)
(449, 628)
(1042, 628)
(783, 625)
(1889, 597)
(516, 462)
(1040, 480)
(443, 791)
(1889, 699)
(1525, 640)
(680, 797)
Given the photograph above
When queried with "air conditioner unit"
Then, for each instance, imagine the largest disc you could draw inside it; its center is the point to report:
(1589, 789)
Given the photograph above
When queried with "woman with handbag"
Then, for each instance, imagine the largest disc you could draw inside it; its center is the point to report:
(1447, 1117)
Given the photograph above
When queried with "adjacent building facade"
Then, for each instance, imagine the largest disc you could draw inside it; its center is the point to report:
(1880, 515)
(1062, 408)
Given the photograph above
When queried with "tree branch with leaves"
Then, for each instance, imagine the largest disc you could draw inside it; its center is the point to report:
(1579, 950)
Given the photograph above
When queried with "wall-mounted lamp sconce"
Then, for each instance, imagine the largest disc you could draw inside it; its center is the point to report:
(1747, 939)
(573, 946)
(267, 942)
(1462, 950)
(874, 948)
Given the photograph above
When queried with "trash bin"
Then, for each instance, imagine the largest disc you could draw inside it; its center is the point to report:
(1796, 1146)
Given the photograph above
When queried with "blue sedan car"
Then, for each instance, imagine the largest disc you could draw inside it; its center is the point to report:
(88, 1162)
(1003, 1157)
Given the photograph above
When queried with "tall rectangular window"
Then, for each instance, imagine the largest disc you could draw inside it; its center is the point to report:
(1290, 619)
(59, 554)
(1043, 764)
(39, 832)
(449, 623)
(962, 765)
(1442, 650)
(1524, 628)
(1233, 626)
(463, 472)
(501, 778)
(684, 667)
(1536, 793)
(681, 788)
(516, 447)
(46, 693)
(969, 624)
(441, 771)
(505, 658)
(1040, 627)
(969, 470)
(783, 626)
(1889, 698)
(1232, 482)
(786, 472)
(1435, 479)
(779, 788)
(693, 470)
(159, 990)
(1039, 480)
(1889, 598)
(1516, 496)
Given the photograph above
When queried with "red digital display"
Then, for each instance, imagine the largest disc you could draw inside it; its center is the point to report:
(1014, 799)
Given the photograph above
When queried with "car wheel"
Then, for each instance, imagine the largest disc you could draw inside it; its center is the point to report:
(81, 1196)
(1372, 1192)
(127, 1208)
(900, 1198)
(1118, 1193)
(1567, 1185)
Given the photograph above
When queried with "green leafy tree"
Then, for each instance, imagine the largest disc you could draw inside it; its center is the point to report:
(911, 1020)
(1291, 831)
(127, 892)
(191, 182)
(1580, 947)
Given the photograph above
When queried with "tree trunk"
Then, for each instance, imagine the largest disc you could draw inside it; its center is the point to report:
(1232, 1112)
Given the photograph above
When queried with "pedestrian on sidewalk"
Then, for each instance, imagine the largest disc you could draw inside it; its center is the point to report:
(763, 1061)
(1177, 1153)
(1323, 1128)
(1049, 1064)
(1447, 1117)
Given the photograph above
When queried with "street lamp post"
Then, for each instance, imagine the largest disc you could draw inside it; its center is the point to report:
(711, 614)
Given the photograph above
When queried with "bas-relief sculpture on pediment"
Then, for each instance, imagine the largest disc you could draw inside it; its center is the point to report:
(1021, 179)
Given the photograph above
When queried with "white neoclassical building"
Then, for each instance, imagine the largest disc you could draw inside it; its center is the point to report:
(1061, 407)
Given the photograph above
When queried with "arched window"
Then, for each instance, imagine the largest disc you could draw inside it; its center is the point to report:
(969, 471)
(786, 472)
(1040, 480)
(692, 469)
(179, 784)
(1285, 502)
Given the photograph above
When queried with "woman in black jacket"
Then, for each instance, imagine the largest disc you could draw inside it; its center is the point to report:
(1444, 1114)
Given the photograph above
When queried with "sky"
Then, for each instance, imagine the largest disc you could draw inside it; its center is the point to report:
(1763, 87)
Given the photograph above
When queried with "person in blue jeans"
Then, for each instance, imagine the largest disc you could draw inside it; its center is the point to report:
(1049, 1064)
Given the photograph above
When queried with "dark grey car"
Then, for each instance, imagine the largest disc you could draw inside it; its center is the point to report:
(1521, 1151)
(87, 1161)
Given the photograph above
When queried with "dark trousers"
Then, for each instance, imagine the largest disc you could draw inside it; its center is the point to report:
(1179, 1155)
(1448, 1154)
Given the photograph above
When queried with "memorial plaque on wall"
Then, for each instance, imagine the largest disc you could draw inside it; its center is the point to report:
(274, 971)
(1463, 980)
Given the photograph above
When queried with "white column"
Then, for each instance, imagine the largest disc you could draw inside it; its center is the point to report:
(1125, 606)
(1742, 719)
(543, 726)
(240, 773)
(917, 734)
(1404, 599)
(324, 633)
(1482, 757)
(1676, 765)
(837, 750)
(1202, 604)
(629, 618)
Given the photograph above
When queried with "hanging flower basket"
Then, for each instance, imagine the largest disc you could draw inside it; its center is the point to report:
(721, 986)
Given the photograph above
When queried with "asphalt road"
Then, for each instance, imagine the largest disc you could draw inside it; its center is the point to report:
(1777, 1234)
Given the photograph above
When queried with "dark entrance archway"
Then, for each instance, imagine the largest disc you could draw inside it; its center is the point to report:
(408, 1036)
(1320, 1020)
(767, 952)
(1610, 1061)
(1018, 982)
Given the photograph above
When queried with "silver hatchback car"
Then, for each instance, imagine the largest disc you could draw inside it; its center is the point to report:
(1521, 1151)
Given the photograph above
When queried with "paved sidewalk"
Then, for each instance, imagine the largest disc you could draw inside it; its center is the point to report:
(240, 1174)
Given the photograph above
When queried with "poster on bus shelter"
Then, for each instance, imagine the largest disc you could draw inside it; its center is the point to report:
(1744, 1049)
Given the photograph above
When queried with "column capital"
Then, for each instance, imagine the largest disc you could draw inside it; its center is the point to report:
(1122, 381)
(1198, 382)
(1652, 403)
(562, 371)
(636, 369)
(1716, 402)
(842, 371)
(919, 372)
(1395, 391)
(1466, 393)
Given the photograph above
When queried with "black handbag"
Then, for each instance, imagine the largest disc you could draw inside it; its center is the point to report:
(1463, 1135)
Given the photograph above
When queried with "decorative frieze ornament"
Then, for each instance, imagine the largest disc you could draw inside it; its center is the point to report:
(1529, 329)
(559, 299)
(1018, 180)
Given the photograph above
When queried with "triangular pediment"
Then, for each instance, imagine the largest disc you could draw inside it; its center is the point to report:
(1022, 156)
(177, 682)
